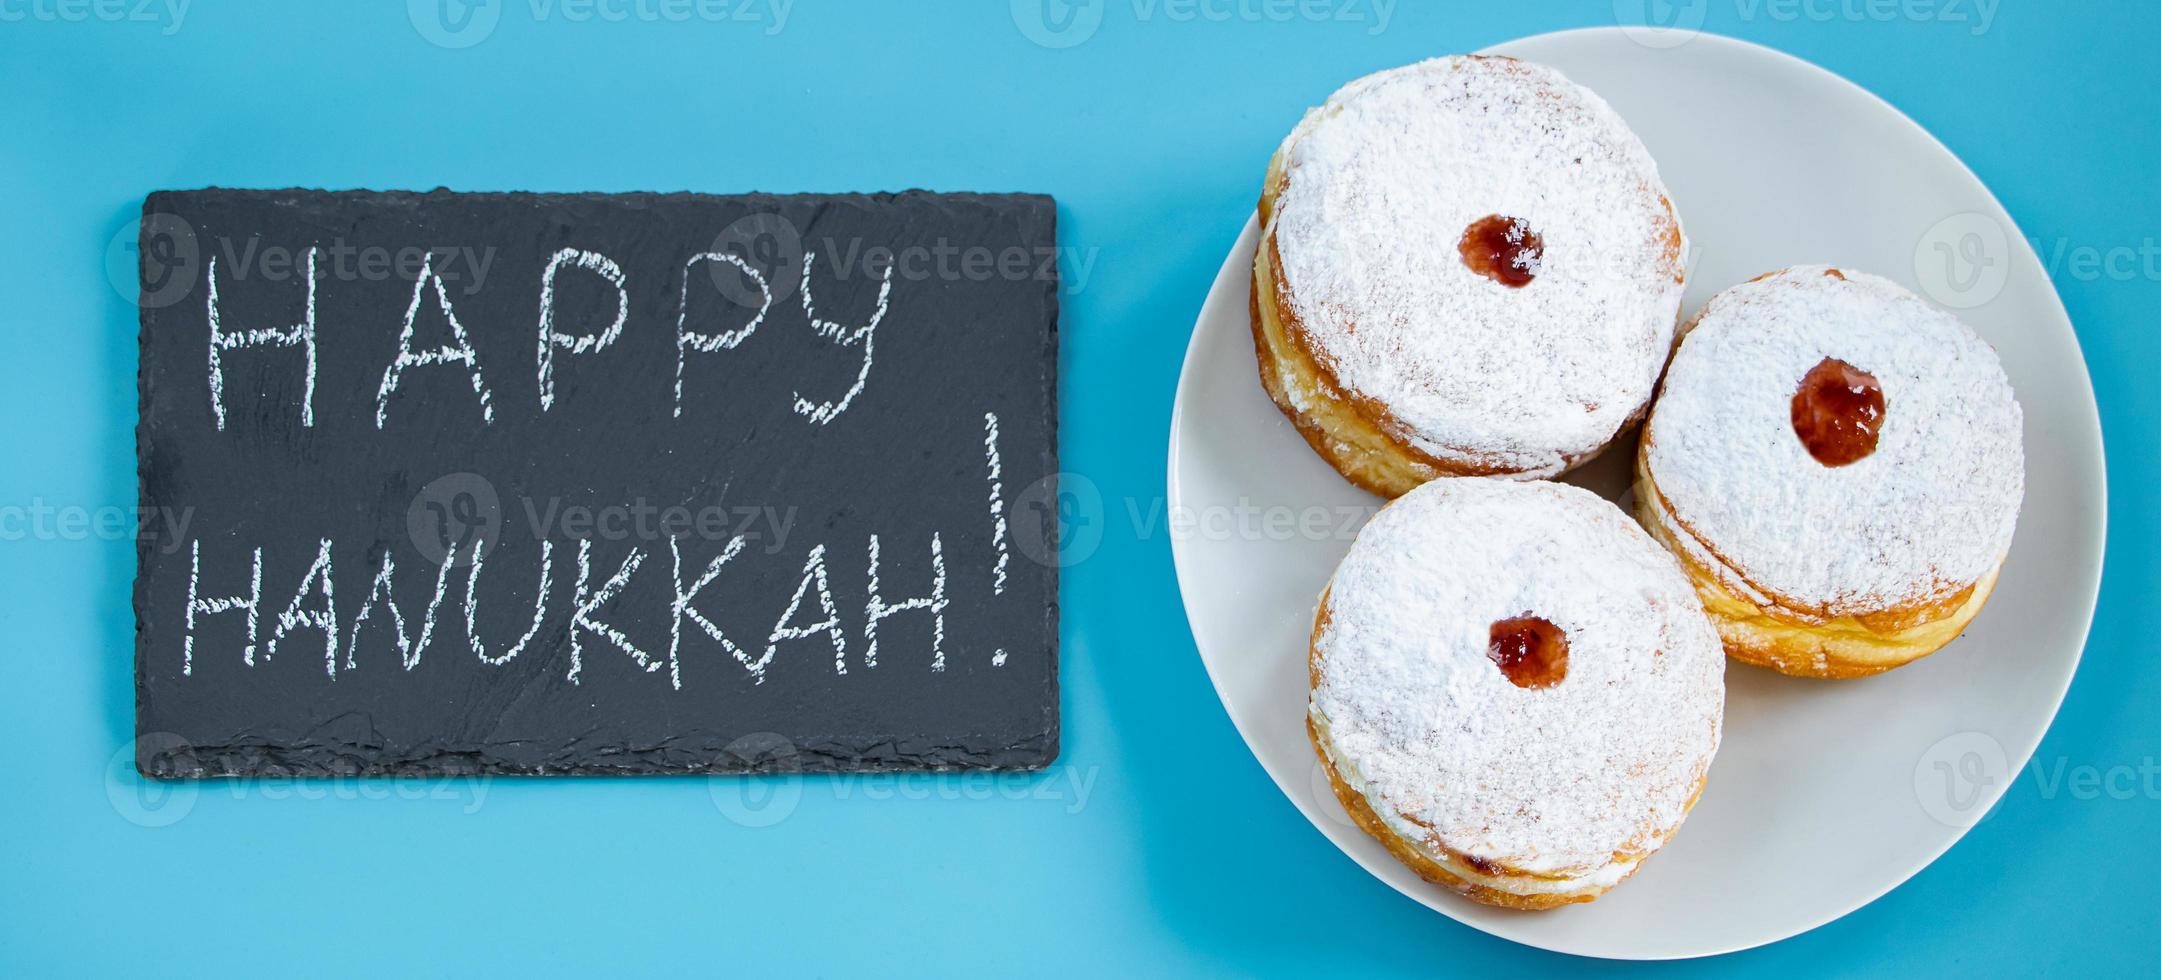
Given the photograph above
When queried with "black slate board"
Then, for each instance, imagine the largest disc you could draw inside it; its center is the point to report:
(767, 459)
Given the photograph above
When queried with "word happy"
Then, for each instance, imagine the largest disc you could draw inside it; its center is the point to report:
(551, 343)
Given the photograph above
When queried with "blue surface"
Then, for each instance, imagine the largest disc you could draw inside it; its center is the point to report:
(1157, 844)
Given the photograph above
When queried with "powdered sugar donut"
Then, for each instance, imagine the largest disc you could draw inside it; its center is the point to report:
(1839, 466)
(1468, 266)
(1514, 689)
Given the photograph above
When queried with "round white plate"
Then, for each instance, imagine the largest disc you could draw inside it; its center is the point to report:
(1825, 795)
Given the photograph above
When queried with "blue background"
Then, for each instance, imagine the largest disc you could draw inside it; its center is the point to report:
(1180, 855)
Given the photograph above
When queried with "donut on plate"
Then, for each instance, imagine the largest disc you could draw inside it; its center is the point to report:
(1514, 689)
(1839, 467)
(1468, 266)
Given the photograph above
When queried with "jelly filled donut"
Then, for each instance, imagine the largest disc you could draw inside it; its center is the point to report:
(1514, 690)
(1838, 465)
(1468, 266)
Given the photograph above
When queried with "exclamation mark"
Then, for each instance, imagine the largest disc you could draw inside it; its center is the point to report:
(997, 513)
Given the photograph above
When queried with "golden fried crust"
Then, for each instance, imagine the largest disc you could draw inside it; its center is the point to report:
(1346, 433)
(1428, 869)
(1432, 868)
(1788, 636)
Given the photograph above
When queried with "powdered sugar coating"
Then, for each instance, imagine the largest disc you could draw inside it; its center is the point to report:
(1926, 515)
(1452, 755)
(1381, 183)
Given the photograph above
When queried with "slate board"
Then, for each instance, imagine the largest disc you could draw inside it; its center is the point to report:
(752, 432)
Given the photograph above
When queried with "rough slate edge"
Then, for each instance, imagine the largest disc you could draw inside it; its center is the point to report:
(161, 755)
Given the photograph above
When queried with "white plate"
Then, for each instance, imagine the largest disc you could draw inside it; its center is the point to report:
(1824, 795)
